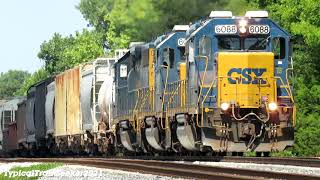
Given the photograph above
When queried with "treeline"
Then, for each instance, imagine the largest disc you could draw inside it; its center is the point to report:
(113, 24)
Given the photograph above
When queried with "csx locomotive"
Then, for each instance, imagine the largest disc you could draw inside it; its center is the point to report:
(219, 85)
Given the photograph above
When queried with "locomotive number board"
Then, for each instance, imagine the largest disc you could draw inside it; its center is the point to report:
(259, 29)
(225, 29)
(233, 29)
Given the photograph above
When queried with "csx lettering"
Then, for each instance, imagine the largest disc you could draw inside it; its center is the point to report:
(249, 75)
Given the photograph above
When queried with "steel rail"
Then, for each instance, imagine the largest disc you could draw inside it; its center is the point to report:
(293, 161)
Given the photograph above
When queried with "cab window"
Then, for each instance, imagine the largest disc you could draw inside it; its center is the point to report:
(205, 46)
(279, 47)
(255, 43)
(168, 55)
(229, 43)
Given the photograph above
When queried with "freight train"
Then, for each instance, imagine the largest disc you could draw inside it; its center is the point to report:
(216, 86)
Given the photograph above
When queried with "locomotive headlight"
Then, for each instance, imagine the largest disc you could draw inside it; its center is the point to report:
(243, 29)
(243, 26)
(243, 23)
(224, 106)
(272, 106)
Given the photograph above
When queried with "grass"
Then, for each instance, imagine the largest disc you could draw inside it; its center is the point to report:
(40, 167)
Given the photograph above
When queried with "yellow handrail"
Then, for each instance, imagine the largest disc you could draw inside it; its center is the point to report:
(164, 94)
(201, 83)
(169, 102)
(202, 114)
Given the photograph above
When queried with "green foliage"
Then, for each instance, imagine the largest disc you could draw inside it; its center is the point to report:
(52, 52)
(95, 11)
(85, 46)
(186, 11)
(11, 81)
(285, 153)
(36, 77)
(61, 53)
(307, 136)
(124, 21)
(249, 154)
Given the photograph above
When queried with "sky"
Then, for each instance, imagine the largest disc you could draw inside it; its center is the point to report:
(25, 24)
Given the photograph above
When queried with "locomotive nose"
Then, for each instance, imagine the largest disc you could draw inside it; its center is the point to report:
(246, 79)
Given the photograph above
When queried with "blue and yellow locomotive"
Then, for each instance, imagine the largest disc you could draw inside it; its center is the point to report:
(219, 85)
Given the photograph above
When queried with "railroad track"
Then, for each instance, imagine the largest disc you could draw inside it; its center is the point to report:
(183, 170)
(294, 161)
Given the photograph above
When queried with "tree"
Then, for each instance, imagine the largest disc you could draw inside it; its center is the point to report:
(36, 77)
(11, 81)
(124, 21)
(61, 53)
(95, 11)
(52, 52)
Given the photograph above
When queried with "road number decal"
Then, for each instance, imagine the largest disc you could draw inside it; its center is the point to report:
(225, 29)
(259, 29)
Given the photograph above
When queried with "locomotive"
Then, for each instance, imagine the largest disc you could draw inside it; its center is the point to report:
(219, 85)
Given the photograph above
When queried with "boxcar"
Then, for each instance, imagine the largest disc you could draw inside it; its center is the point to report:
(68, 124)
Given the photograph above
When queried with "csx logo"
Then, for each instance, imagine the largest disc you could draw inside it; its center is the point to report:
(249, 75)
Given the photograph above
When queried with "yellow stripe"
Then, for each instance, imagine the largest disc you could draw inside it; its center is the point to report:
(151, 76)
(183, 77)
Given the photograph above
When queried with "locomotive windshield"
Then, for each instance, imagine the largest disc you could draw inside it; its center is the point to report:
(229, 43)
(237, 43)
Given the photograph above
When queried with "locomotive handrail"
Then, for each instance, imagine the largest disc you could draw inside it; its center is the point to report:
(164, 94)
(204, 74)
(202, 114)
(288, 83)
(134, 109)
(286, 88)
(171, 99)
(201, 82)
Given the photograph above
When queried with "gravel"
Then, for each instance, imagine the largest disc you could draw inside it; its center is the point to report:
(264, 167)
